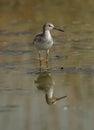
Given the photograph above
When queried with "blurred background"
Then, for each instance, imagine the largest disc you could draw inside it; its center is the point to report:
(41, 11)
(71, 65)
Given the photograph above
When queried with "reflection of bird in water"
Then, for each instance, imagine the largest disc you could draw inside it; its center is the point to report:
(45, 83)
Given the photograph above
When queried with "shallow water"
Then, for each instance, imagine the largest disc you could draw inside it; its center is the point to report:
(23, 101)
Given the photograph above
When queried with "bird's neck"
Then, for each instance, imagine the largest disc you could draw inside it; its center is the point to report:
(47, 34)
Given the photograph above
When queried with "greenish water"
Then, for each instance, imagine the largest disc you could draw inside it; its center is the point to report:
(23, 101)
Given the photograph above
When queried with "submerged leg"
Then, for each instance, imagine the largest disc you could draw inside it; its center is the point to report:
(47, 54)
(40, 60)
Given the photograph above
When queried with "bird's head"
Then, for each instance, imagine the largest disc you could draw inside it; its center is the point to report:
(50, 26)
(51, 101)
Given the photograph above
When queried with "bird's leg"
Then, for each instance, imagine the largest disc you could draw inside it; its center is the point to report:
(47, 54)
(40, 60)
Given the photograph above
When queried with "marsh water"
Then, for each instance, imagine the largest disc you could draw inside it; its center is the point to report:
(24, 104)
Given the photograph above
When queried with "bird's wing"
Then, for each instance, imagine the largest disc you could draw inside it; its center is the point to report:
(38, 38)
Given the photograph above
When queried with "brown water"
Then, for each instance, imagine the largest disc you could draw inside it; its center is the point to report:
(23, 103)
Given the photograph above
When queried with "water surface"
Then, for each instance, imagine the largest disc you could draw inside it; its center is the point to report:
(23, 105)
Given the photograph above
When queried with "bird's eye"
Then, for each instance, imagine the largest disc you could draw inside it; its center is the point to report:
(49, 25)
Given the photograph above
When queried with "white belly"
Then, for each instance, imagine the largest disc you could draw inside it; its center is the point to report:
(43, 42)
(44, 46)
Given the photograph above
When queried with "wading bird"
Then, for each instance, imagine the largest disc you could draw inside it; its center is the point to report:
(44, 41)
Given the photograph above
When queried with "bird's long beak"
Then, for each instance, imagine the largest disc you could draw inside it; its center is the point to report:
(60, 98)
(56, 28)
